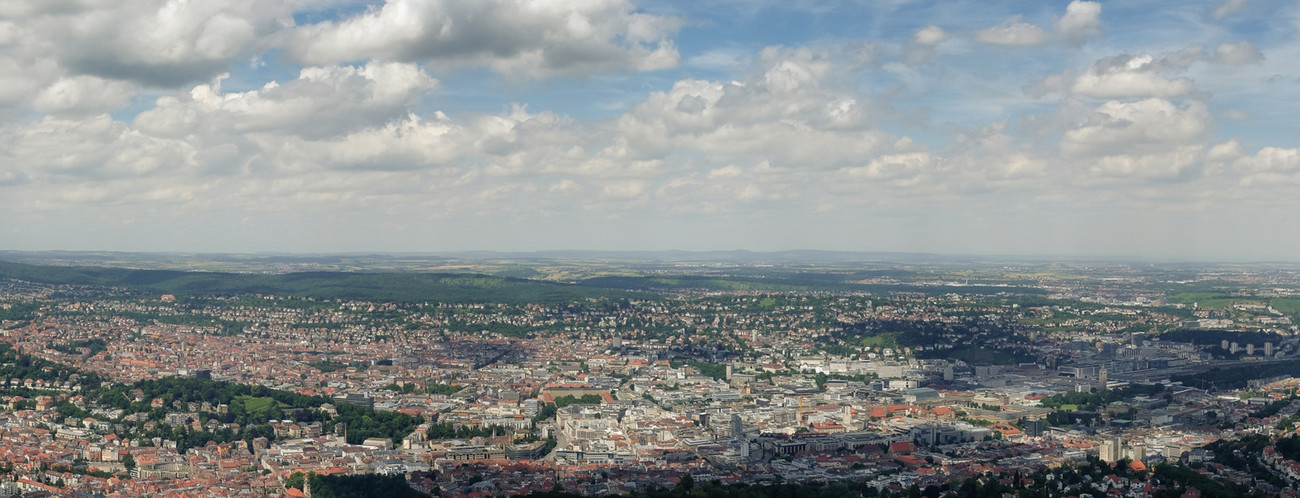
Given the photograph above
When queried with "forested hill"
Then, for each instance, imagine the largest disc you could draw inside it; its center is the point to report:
(392, 287)
(795, 282)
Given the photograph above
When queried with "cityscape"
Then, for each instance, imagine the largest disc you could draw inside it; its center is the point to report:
(649, 249)
(1046, 378)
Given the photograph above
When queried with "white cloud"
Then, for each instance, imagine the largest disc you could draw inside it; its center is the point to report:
(792, 114)
(1013, 32)
(730, 171)
(1081, 20)
(923, 43)
(1129, 76)
(1171, 164)
(929, 36)
(83, 95)
(907, 169)
(321, 101)
(1126, 76)
(1270, 160)
(1224, 152)
(153, 42)
(518, 38)
(1227, 8)
(88, 149)
(1242, 52)
(1270, 176)
(1144, 126)
(624, 189)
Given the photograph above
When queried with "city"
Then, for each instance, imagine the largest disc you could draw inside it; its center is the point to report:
(649, 249)
(893, 378)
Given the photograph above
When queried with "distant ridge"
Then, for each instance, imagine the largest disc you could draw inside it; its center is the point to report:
(737, 256)
(412, 286)
(392, 287)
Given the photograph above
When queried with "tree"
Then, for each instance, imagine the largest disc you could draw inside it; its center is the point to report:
(128, 461)
(686, 484)
(294, 480)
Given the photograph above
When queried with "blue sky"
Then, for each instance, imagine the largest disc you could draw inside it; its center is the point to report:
(1159, 130)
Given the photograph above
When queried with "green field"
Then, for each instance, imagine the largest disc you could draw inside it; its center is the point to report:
(1288, 305)
(885, 340)
(1208, 300)
(255, 404)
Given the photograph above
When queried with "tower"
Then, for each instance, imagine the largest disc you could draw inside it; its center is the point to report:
(1111, 449)
(1102, 377)
(737, 427)
(1268, 349)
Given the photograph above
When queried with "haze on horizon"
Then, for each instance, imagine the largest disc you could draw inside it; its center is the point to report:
(1137, 128)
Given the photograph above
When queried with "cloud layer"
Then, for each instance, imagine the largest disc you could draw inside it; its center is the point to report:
(524, 124)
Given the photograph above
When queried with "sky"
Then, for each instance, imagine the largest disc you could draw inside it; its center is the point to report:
(1135, 128)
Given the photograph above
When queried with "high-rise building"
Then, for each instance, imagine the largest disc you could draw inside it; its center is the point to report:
(1137, 451)
(1268, 349)
(1112, 449)
(737, 427)
(1034, 428)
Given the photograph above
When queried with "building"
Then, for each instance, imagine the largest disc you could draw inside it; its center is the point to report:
(526, 451)
(1034, 428)
(920, 394)
(356, 399)
(1112, 449)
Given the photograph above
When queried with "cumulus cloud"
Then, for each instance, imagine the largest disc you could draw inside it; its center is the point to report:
(1081, 20)
(518, 38)
(1130, 76)
(790, 114)
(151, 42)
(1270, 160)
(905, 169)
(1242, 52)
(930, 36)
(95, 148)
(83, 96)
(1272, 170)
(321, 101)
(1013, 32)
(1174, 163)
(989, 158)
(923, 43)
(1143, 126)
(1126, 76)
